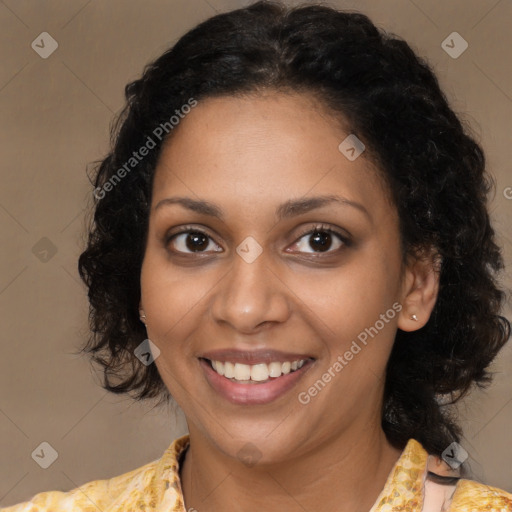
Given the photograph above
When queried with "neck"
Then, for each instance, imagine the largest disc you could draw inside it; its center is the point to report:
(350, 470)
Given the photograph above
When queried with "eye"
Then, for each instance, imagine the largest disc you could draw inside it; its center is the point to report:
(321, 239)
(191, 241)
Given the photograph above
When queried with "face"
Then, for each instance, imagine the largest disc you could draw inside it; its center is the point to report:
(276, 256)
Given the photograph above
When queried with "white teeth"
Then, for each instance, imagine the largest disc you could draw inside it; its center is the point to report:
(242, 371)
(259, 372)
(274, 369)
(229, 370)
(219, 367)
(256, 372)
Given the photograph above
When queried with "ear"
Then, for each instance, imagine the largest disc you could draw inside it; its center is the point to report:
(142, 315)
(420, 287)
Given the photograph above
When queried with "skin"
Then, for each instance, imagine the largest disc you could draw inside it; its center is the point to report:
(248, 156)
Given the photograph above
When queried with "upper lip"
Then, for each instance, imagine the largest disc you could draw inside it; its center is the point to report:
(253, 356)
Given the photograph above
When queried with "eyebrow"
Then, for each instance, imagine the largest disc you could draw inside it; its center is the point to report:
(290, 208)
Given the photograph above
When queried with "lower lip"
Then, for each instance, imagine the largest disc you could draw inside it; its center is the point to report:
(256, 393)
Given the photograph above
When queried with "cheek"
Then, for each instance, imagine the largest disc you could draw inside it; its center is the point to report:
(171, 298)
(352, 296)
(354, 309)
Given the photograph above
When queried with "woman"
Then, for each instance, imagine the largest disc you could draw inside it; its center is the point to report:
(297, 220)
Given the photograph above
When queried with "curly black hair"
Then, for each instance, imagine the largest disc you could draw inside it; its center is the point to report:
(432, 164)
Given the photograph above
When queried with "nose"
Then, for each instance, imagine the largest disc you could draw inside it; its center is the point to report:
(251, 296)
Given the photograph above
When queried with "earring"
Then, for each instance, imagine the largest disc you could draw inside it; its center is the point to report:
(414, 317)
(143, 318)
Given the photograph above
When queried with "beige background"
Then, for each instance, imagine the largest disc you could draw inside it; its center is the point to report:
(55, 115)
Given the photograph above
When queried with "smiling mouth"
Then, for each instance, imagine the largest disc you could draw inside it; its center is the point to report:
(256, 373)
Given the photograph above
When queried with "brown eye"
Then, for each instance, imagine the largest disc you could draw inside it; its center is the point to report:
(191, 241)
(321, 240)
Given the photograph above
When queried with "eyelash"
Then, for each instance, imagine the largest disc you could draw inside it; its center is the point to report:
(319, 228)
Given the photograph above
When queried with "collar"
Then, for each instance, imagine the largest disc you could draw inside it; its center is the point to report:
(404, 486)
(169, 493)
(403, 490)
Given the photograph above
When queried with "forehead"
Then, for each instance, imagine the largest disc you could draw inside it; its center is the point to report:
(268, 147)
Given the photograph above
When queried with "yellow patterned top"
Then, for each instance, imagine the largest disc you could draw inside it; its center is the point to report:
(155, 487)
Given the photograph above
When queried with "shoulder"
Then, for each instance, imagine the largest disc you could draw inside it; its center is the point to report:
(465, 495)
(139, 489)
(91, 496)
(472, 496)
